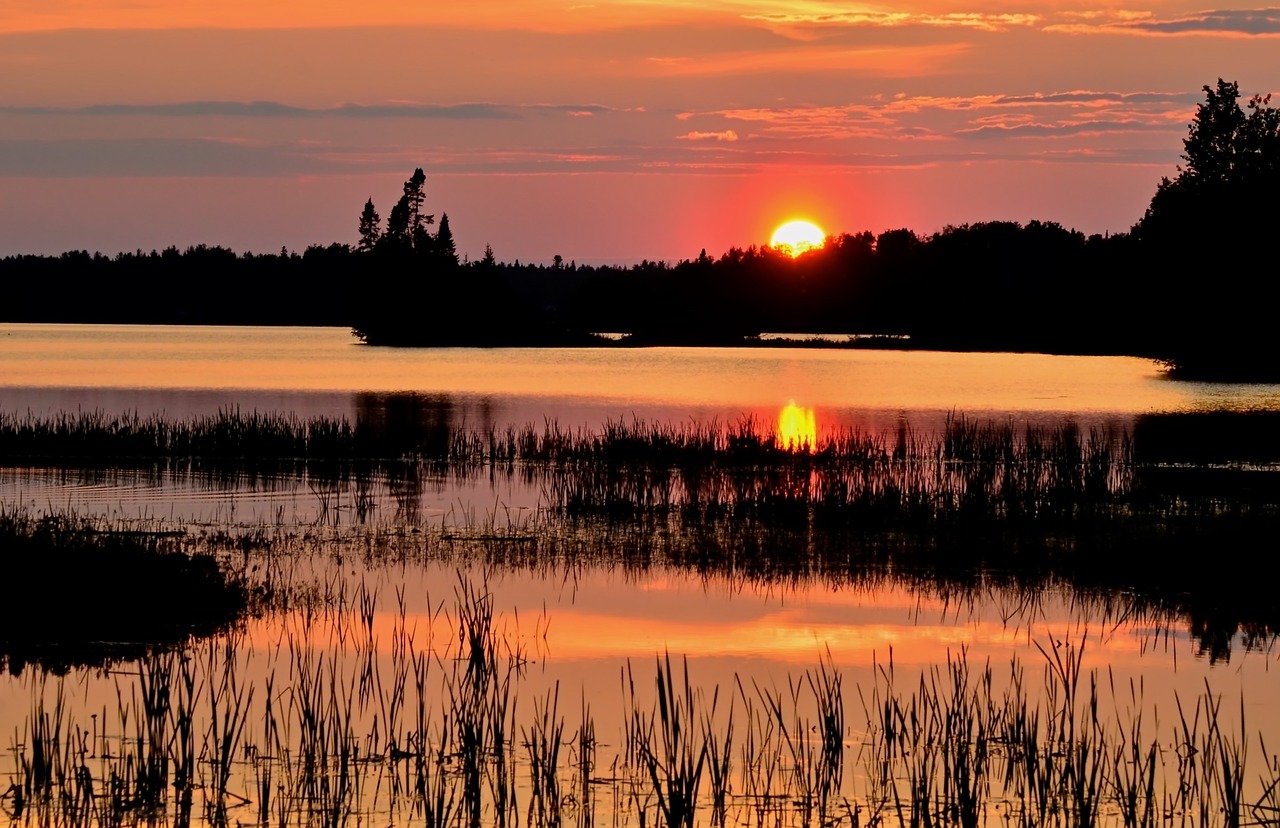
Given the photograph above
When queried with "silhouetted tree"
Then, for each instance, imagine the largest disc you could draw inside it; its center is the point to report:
(397, 234)
(406, 226)
(444, 246)
(1211, 144)
(415, 195)
(1231, 172)
(370, 228)
(1203, 227)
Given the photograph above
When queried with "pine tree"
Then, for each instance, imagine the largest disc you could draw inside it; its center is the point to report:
(415, 195)
(444, 245)
(370, 227)
(406, 224)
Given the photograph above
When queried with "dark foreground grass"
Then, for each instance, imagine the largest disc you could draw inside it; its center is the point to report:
(430, 733)
(76, 593)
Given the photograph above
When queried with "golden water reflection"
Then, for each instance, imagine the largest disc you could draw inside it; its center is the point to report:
(582, 628)
(797, 428)
(122, 366)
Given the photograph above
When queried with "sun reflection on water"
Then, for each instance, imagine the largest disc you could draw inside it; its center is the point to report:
(797, 428)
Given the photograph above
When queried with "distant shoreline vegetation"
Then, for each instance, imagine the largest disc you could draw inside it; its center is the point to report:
(1191, 284)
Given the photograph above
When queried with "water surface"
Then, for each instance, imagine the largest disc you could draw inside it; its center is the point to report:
(184, 369)
(582, 625)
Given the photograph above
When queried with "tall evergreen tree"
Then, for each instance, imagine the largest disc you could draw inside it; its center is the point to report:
(370, 227)
(444, 245)
(398, 224)
(406, 226)
(415, 195)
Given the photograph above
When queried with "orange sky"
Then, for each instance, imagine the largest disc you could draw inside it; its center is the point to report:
(606, 131)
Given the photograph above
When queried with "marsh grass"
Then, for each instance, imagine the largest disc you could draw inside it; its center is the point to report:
(1035, 496)
(428, 733)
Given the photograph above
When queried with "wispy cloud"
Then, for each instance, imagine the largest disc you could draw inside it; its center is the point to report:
(934, 118)
(147, 157)
(878, 61)
(1056, 130)
(272, 109)
(983, 21)
(1086, 98)
(724, 135)
(825, 122)
(1220, 22)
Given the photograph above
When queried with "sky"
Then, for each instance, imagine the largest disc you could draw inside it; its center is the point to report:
(609, 131)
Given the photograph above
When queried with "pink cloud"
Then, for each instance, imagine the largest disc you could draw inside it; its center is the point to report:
(726, 135)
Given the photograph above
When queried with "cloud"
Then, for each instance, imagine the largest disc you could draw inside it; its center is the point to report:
(1222, 22)
(822, 122)
(726, 135)
(200, 157)
(273, 109)
(883, 108)
(868, 61)
(941, 118)
(982, 21)
(1043, 130)
(1264, 22)
(1091, 99)
(25, 158)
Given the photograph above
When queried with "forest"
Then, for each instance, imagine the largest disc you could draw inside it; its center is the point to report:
(1192, 283)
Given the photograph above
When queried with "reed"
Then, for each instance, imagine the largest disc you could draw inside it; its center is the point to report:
(586, 763)
(719, 741)
(669, 745)
(543, 741)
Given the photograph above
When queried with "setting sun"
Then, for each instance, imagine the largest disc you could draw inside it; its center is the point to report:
(796, 237)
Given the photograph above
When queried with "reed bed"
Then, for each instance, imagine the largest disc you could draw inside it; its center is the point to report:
(977, 477)
(1009, 489)
(235, 439)
(972, 473)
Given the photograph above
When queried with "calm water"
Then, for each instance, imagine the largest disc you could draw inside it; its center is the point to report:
(583, 624)
(182, 370)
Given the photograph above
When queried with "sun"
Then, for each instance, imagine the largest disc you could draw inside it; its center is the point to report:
(796, 237)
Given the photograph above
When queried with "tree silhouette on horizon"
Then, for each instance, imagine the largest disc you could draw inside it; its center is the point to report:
(1208, 228)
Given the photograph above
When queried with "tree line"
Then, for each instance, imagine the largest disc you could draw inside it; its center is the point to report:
(1193, 282)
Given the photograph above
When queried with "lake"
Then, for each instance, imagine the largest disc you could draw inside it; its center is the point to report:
(325, 370)
(369, 588)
